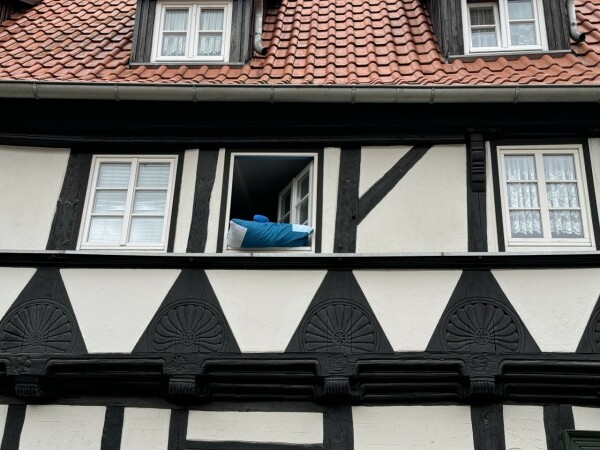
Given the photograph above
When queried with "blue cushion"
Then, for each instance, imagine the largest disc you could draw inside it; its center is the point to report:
(247, 234)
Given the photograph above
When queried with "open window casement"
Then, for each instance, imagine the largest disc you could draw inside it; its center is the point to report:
(281, 186)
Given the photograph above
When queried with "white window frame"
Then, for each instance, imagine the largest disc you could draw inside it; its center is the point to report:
(192, 33)
(312, 210)
(295, 200)
(503, 28)
(135, 160)
(547, 242)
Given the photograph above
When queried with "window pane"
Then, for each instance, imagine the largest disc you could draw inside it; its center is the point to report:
(146, 230)
(210, 44)
(522, 34)
(522, 195)
(482, 16)
(559, 168)
(212, 19)
(173, 45)
(484, 38)
(520, 9)
(286, 200)
(110, 201)
(150, 202)
(153, 176)
(562, 195)
(525, 224)
(176, 20)
(303, 213)
(304, 186)
(105, 230)
(113, 175)
(566, 224)
(519, 168)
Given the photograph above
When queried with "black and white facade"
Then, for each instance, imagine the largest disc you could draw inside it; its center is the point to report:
(449, 298)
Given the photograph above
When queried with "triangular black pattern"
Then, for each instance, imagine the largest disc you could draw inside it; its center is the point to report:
(480, 318)
(189, 320)
(41, 320)
(590, 341)
(339, 320)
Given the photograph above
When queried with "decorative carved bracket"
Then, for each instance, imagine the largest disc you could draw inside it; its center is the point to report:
(29, 387)
(477, 162)
(184, 386)
(337, 388)
(482, 371)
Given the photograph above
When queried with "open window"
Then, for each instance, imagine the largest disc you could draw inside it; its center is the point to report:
(282, 187)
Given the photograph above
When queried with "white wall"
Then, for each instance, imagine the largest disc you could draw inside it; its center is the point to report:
(375, 162)
(186, 200)
(524, 427)
(586, 419)
(114, 306)
(412, 428)
(425, 212)
(30, 183)
(263, 308)
(145, 428)
(12, 282)
(492, 227)
(215, 206)
(331, 175)
(273, 427)
(555, 305)
(60, 427)
(407, 303)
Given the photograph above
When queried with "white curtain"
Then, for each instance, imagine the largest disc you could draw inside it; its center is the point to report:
(209, 44)
(174, 32)
(150, 199)
(561, 188)
(521, 33)
(523, 223)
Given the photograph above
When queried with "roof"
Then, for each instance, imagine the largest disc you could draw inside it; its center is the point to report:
(310, 42)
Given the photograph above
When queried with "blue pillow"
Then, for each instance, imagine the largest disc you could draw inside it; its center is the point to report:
(247, 234)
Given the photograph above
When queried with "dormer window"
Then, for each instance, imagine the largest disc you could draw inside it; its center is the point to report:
(192, 32)
(505, 25)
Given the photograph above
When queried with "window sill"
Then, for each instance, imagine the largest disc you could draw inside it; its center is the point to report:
(190, 64)
(509, 55)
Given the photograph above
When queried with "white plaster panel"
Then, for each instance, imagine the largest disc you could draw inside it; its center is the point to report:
(412, 428)
(375, 162)
(114, 306)
(30, 183)
(407, 304)
(3, 414)
(215, 206)
(595, 159)
(274, 427)
(12, 282)
(331, 174)
(490, 205)
(524, 427)
(425, 212)
(554, 305)
(586, 419)
(145, 428)
(264, 307)
(61, 427)
(186, 200)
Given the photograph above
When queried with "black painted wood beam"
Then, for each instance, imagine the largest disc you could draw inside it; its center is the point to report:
(346, 221)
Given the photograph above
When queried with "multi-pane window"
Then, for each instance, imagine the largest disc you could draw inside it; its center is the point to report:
(544, 197)
(192, 32)
(129, 203)
(504, 25)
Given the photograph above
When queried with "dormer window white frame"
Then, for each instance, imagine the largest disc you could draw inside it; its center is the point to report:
(190, 32)
(503, 26)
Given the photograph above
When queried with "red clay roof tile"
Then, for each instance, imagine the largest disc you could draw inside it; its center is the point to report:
(308, 41)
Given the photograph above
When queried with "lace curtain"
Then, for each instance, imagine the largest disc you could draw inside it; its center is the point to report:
(524, 202)
(175, 32)
(209, 44)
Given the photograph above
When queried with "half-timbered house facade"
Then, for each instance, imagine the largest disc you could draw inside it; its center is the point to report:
(446, 155)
